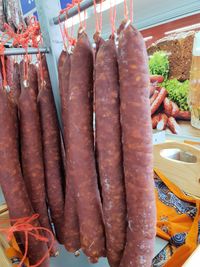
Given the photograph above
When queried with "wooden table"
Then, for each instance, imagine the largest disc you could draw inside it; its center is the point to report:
(187, 129)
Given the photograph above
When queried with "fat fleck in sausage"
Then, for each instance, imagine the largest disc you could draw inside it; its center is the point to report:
(109, 150)
(11, 179)
(80, 150)
(71, 223)
(31, 148)
(137, 149)
(51, 151)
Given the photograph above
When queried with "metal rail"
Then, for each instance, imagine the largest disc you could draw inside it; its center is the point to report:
(22, 51)
(73, 11)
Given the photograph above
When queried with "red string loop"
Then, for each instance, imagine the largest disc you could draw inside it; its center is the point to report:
(25, 225)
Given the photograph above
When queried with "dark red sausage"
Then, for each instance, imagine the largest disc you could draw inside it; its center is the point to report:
(173, 126)
(154, 96)
(31, 148)
(109, 151)
(137, 149)
(183, 115)
(162, 123)
(155, 119)
(51, 152)
(71, 223)
(158, 101)
(11, 179)
(170, 108)
(80, 150)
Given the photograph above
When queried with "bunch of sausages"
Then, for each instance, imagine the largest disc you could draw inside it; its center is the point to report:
(109, 195)
(94, 189)
(31, 170)
(164, 111)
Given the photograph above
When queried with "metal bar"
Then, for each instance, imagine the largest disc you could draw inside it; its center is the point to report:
(22, 51)
(53, 39)
(73, 11)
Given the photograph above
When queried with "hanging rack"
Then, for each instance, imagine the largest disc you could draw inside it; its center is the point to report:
(22, 51)
(73, 11)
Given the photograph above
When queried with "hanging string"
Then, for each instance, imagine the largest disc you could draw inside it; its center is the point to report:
(112, 15)
(101, 16)
(84, 21)
(96, 17)
(125, 10)
(62, 33)
(25, 225)
(79, 12)
(2, 50)
(131, 11)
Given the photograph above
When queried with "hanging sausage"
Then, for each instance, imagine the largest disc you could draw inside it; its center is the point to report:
(109, 150)
(80, 149)
(11, 179)
(51, 150)
(31, 146)
(137, 148)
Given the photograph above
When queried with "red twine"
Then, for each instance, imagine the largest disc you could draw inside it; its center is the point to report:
(25, 225)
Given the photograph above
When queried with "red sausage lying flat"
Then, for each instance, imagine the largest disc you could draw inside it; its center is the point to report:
(137, 149)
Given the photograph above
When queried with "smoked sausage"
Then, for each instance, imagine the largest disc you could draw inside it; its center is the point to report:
(137, 149)
(11, 179)
(173, 126)
(31, 147)
(80, 149)
(51, 151)
(71, 223)
(158, 101)
(108, 136)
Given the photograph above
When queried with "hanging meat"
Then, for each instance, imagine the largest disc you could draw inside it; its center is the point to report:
(13, 13)
(109, 150)
(2, 15)
(71, 223)
(31, 146)
(11, 179)
(51, 150)
(137, 148)
(80, 149)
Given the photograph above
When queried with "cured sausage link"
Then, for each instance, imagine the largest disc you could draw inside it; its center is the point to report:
(108, 135)
(137, 149)
(51, 152)
(11, 179)
(71, 223)
(31, 148)
(80, 150)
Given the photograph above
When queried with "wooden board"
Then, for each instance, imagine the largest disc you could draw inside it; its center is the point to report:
(187, 129)
(186, 175)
